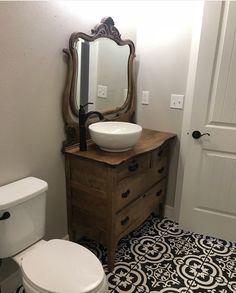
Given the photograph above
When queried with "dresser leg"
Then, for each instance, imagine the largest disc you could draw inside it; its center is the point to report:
(161, 210)
(111, 258)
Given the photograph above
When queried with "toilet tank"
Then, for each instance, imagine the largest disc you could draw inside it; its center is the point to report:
(22, 214)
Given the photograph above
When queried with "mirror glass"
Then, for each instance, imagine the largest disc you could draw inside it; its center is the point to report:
(102, 74)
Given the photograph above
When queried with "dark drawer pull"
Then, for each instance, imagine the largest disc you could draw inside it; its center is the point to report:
(125, 194)
(159, 192)
(6, 215)
(133, 167)
(161, 170)
(124, 221)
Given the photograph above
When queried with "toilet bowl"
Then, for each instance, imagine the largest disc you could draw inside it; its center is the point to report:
(54, 266)
(60, 266)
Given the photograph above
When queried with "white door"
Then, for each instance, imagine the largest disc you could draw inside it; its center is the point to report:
(208, 203)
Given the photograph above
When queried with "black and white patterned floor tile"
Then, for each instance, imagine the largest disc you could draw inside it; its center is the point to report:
(160, 257)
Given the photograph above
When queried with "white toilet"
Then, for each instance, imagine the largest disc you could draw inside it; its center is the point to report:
(57, 266)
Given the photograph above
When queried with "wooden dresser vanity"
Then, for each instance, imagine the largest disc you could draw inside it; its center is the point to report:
(108, 194)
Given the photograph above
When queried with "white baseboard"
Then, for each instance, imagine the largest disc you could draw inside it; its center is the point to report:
(66, 237)
(169, 212)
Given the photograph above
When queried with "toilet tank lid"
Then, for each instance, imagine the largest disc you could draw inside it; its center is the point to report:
(19, 191)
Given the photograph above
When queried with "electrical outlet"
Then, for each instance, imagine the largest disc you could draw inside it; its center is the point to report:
(177, 101)
(145, 97)
(102, 91)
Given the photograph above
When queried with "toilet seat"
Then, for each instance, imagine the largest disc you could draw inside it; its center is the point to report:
(62, 266)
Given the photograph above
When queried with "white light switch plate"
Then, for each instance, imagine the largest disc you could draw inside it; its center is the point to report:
(177, 101)
(102, 91)
(145, 97)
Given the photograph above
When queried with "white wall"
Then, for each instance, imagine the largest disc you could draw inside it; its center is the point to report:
(33, 73)
(163, 49)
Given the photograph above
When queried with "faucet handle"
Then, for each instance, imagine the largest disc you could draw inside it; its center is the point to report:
(82, 106)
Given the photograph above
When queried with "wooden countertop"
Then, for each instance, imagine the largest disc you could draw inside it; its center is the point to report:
(149, 140)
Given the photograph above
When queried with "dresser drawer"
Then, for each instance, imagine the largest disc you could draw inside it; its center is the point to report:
(130, 188)
(153, 197)
(129, 218)
(161, 168)
(135, 213)
(134, 166)
(133, 186)
(159, 154)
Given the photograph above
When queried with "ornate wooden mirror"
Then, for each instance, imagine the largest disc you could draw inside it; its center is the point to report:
(100, 71)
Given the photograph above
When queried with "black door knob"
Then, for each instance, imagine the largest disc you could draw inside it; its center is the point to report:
(197, 134)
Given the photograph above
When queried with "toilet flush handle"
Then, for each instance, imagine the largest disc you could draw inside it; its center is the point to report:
(5, 215)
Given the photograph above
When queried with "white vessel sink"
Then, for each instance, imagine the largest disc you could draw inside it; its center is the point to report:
(115, 136)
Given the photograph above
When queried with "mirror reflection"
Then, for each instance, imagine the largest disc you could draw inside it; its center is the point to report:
(102, 77)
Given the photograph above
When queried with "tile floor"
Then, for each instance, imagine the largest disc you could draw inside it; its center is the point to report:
(160, 257)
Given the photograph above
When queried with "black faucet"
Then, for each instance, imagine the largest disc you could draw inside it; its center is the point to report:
(82, 129)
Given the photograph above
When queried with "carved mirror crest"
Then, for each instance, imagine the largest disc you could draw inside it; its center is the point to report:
(100, 71)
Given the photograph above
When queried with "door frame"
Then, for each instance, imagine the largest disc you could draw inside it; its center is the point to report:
(186, 139)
